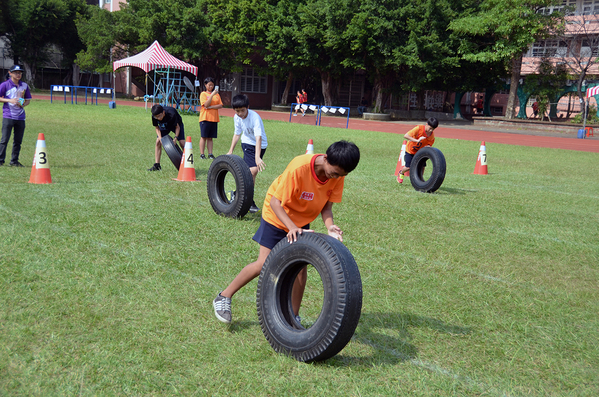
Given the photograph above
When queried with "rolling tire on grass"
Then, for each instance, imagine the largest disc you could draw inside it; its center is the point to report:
(172, 150)
(342, 300)
(435, 181)
(239, 205)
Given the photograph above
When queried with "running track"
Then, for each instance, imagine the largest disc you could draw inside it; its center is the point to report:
(568, 141)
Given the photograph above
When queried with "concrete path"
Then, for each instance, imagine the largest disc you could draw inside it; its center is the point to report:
(447, 129)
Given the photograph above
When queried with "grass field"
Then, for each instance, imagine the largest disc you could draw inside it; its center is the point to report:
(489, 287)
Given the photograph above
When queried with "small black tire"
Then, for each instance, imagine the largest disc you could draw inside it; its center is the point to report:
(172, 150)
(435, 181)
(244, 186)
(342, 300)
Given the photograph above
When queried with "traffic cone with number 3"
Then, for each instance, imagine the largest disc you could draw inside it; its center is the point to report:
(481, 161)
(187, 171)
(40, 170)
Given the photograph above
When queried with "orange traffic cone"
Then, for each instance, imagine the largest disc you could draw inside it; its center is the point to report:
(187, 171)
(40, 170)
(481, 161)
(310, 148)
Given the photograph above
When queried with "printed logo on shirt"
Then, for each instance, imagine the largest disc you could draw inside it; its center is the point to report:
(307, 196)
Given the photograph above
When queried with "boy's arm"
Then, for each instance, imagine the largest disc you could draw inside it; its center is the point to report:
(279, 211)
(259, 162)
(177, 130)
(158, 132)
(327, 217)
(408, 136)
(233, 143)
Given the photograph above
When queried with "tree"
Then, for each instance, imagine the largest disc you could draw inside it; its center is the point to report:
(34, 25)
(503, 30)
(97, 32)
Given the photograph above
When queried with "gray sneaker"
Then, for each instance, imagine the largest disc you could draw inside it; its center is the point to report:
(222, 308)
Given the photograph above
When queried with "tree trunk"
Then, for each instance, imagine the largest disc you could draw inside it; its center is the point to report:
(287, 88)
(76, 74)
(378, 95)
(29, 75)
(511, 101)
(327, 84)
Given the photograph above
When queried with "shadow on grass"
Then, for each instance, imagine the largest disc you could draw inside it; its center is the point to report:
(453, 191)
(238, 326)
(387, 336)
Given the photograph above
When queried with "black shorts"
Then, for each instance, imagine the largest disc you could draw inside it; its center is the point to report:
(269, 235)
(407, 159)
(181, 136)
(249, 154)
(209, 129)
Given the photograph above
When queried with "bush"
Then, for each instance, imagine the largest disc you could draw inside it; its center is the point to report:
(591, 117)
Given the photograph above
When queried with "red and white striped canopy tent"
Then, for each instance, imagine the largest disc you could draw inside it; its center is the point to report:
(592, 91)
(155, 57)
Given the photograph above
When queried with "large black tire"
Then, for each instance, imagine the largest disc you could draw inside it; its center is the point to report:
(244, 190)
(172, 150)
(342, 301)
(417, 170)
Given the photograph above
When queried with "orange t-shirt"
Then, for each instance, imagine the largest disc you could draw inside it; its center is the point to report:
(417, 132)
(302, 194)
(209, 114)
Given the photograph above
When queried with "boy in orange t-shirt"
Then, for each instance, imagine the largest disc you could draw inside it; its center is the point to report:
(309, 186)
(418, 137)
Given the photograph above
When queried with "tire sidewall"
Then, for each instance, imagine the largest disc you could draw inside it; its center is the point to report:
(172, 150)
(342, 300)
(244, 186)
(417, 168)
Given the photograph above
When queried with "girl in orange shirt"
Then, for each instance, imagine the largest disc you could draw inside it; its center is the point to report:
(211, 102)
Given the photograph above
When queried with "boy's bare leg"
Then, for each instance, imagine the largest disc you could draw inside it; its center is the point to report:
(297, 293)
(158, 151)
(247, 274)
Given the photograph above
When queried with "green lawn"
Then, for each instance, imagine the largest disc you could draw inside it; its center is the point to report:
(488, 287)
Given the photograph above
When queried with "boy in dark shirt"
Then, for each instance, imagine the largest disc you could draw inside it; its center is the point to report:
(165, 120)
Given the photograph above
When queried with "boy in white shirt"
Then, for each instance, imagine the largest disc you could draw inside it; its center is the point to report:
(249, 127)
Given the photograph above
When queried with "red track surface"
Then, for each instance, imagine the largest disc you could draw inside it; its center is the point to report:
(567, 141)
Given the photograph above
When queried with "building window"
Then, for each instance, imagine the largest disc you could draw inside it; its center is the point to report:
(252, 82)
(549, 48)
(567, 5)
(590, 7)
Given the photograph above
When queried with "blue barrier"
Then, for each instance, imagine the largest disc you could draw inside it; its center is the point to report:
(74, 90)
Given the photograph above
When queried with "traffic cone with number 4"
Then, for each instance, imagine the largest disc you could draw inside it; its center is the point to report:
(187, 171)
(481, 161)
(40, 170)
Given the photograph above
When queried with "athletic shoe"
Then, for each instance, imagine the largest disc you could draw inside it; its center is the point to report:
(202, 157)
(155, 167)
(222, 308)
(16, 164)
(254, 208)
(211, 156)
(303, 114)
(231, 196)
(294, 115)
